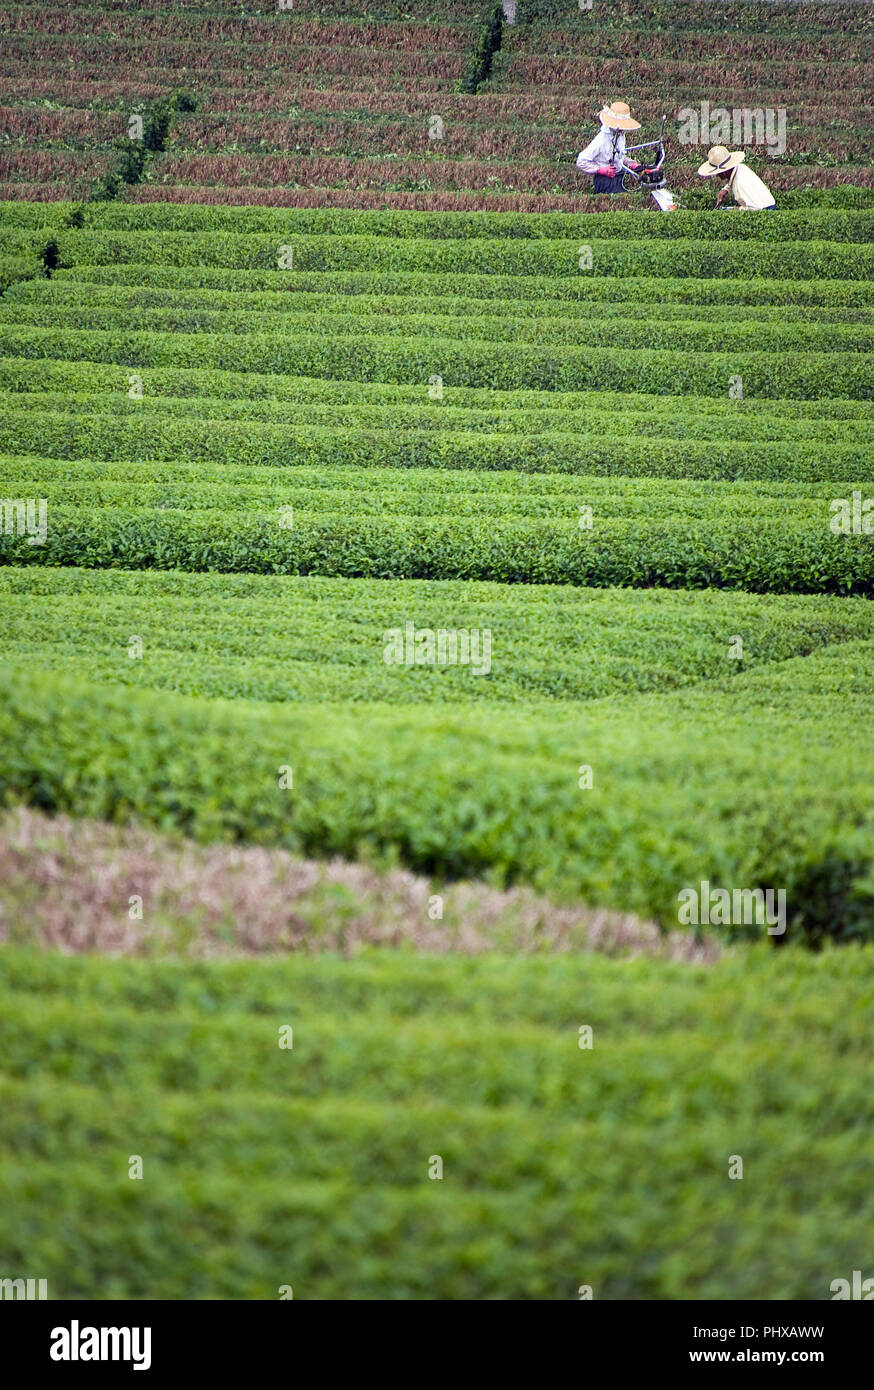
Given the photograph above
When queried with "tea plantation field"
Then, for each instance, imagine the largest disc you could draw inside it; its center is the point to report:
(562, 1167)
(363, 461)
(328, 103)
(267, 470)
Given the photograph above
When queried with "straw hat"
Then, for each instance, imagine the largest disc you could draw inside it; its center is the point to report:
(616, 115)
(721, 161)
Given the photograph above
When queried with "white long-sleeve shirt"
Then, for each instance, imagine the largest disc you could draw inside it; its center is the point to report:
(749, 190)
(605, 148)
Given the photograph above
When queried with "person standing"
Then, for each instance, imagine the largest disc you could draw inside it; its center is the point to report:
(600, 157)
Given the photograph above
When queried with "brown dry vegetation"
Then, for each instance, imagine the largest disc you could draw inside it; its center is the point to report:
(72, 885)
(140, 28)
(304, 109)
(534, 44)
(464, 201)
(678, 78)
(92, 58)
(234, 171)
(245, 171)
(509, 135)
(268, 94)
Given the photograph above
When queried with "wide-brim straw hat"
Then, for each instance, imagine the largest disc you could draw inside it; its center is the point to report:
(616, 115)
(720, 160)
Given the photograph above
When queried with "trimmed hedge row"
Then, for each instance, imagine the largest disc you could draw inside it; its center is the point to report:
(268, 391)
(816, 259)
(581, 330)
(400, 1056)
(14, 269)
(431, 525)
(851, 197)
(610, 289)
(811, 224)
(274, 638)
(183, 484)
(501, 366)
(677, 418)
(503, 797)
(158, 436)
(66, 293)
(798, 560)
(744, 16)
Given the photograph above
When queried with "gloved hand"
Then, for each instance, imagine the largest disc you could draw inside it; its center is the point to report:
(608, 170)
(632, 163)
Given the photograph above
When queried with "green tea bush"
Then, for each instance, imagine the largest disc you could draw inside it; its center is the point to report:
(625, 333)
(253, 1152)
(817, 224)
(271, 638)
(502, 799)
(15, 269)
(594, 413)
(62, 293)
(481, 255)
(102, 436)
(635, 289)
(104, 386)
(438, 524)
(499, 366)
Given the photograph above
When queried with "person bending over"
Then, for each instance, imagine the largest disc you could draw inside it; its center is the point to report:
(737, 179)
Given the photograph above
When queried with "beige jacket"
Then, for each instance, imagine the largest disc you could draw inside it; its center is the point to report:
(748, 189)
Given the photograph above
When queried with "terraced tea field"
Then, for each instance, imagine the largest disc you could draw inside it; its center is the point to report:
(516, 564)
(266, 1168)
(327, 103)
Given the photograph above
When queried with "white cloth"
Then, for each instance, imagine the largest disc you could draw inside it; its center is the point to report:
(603, 150)
(748, 189)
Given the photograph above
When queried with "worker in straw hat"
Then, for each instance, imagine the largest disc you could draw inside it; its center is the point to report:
(737, 180)
(600, 157)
